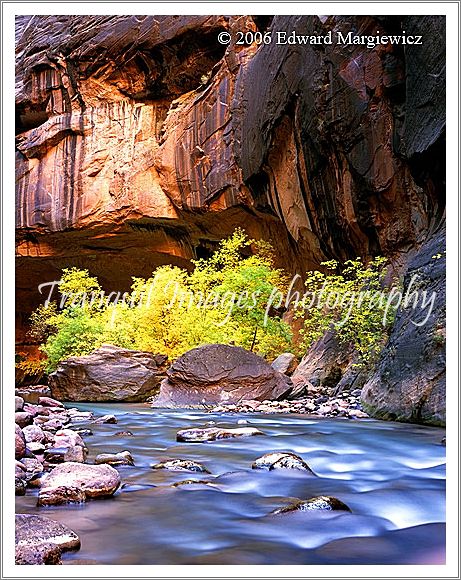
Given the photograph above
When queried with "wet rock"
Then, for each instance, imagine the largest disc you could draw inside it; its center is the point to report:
(109, 373)
(213, 434)
(94, 480)
(281, 460)
(18, 403)
(443, 441)
(186, 482)
(106, 419)
(285, 363)
(20, 442)
(22, 418)
(123, 434)
(60, 495)
(230, 375)
(40, 540)
(181, 465)
(122, 458)
(321, 502)
(33, 433)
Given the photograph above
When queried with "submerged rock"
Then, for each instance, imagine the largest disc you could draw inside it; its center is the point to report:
(112, 419)
(281, 460)
(181, 465)
(122, 458)
(213, 433)
(186, 482)
(321, 502)
(93, 480)
(40, 540)
(217, 373)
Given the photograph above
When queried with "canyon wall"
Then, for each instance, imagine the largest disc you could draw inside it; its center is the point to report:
(141, 141)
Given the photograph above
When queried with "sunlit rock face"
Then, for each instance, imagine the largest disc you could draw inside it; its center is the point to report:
(143, 141)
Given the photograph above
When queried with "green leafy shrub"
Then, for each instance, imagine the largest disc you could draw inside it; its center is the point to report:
(355, 303)
(222, 301)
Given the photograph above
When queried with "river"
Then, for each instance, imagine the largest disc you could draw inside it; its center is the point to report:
(391, 475)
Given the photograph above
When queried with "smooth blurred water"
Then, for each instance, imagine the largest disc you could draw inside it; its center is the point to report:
(391, 475)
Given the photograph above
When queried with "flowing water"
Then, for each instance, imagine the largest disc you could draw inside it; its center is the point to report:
(391, 475)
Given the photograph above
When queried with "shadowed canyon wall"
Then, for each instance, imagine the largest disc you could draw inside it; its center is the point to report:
(142, 141)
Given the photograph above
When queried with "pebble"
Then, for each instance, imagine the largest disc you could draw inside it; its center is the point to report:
(346, 405)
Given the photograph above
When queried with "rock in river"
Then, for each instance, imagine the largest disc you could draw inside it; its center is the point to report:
(181, 465)
(122, 458)
(111, 419)
(281, 460)
(94, 480)
(213, 433)
(40, 540)
(321, 502)
(109, 373)
(218, 373)
(60, 495)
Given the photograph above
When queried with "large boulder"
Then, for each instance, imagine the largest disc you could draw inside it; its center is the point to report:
(409, 381)
(327, 365)
(92, 480)
(218, 373)
(108, 374)
(40, 540)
